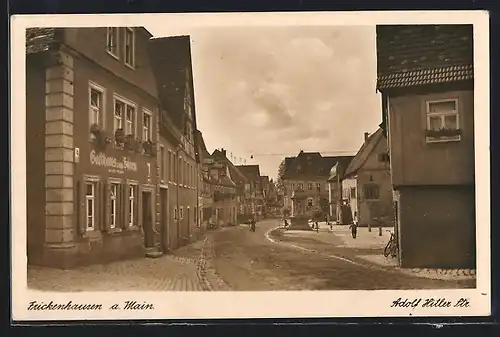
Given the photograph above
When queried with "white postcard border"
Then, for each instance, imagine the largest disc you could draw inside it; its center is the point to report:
(286, 304)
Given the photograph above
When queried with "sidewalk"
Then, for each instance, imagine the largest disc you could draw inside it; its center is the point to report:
(182, 270)
(368, 247)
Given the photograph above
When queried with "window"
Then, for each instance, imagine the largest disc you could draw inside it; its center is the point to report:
(113, 192)
(293, 187)
(300, 186)
(383, 157)
(118, 121)
(318, 187)
(129, 118)
(371, 191)
(90, 188)
(131, 205)
(353, 193)
(309, 202)
(171, 166)
(310, 186)
(181, 212)
(174, 168)
(175, 213)
(162, 163)
(96, 104)
(179, 170)
(129, 47)
(443, 120)
(146, 126)
(112, 41)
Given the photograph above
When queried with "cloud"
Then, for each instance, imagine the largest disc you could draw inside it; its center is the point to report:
(278, 90)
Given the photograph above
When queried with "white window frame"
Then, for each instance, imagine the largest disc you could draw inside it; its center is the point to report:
(117, 41)
(310, 186)
(113, 204)
(147, 131)
(132, 201)
(92, 199)
(100, 111)
(429, 114)
(129, 64)
(129, 123)
(300, 186)
(162, 163)
(123, 119)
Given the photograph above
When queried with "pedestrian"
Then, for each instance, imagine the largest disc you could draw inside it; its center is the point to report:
(286, 223)
(354, 229)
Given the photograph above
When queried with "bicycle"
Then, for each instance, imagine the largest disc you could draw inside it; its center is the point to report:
(391, 247)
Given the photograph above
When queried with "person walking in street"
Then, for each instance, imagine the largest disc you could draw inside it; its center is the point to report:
(354, 229)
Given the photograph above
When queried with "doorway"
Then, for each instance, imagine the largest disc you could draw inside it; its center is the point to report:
(164, 219)
(147, 219)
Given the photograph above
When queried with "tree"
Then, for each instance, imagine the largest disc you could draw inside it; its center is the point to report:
(280, 187)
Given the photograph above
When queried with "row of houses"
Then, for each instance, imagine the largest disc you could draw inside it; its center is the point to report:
(116, 165)
(416, 172)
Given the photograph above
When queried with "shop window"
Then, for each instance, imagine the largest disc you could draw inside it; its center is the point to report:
(90, 194)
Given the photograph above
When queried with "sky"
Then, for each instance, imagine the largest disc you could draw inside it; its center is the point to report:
(269, 92)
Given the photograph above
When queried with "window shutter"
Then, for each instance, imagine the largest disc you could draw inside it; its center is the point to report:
(80, 204)
(98, 201)
(138, 206)
(107, 209)
(124, 205)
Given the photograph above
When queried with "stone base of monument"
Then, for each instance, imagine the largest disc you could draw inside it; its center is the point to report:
(299, 223)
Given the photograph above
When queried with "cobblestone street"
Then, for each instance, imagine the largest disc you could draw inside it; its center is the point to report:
(234, 258)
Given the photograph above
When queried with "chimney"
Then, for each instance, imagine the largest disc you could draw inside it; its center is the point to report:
(366, 136)
(223, 151)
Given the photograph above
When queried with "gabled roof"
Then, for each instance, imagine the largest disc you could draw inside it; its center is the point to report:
(202, 148)
(364, 152)
(251, 172)
(415, 55)
(236, 175)
(312, 164)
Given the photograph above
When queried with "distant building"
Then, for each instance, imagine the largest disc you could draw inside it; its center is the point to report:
(366, 183)
(308, 173)
(254, 199)
(205, 185)
(426, 78)
(228, 189)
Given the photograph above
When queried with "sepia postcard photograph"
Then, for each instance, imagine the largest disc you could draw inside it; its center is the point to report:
(250, 165)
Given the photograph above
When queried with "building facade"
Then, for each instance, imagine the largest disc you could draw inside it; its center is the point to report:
(177, 152)
(366, 183)
(425, 76)
(308, 174)
(253, 195)
(91, 135)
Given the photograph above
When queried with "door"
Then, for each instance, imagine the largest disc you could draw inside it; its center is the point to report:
(147, 219)
(164, 219)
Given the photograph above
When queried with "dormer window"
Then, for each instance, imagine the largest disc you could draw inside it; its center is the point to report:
(112, 41)
(129, 47)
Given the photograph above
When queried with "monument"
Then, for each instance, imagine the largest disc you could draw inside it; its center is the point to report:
(299, 220)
